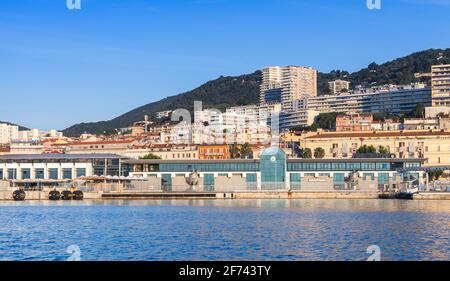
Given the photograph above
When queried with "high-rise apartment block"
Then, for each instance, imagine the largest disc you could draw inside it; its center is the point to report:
(440, 84)
(287, 84)
(8, 133)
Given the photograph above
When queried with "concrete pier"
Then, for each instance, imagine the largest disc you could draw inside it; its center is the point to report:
(432, 196)
(244, 195)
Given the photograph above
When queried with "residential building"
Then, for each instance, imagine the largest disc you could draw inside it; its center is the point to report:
(298, 118)
(29, 135)
(357, 122)
(400, 100)
(338, 86)
(434, 145)
(212, 152)
(440, 83)
(8, 133)
(435, 111)
(386, 125)
(104, 147)
(421, 124)
(286, 84)
(164, 151)
(26, 147)
(163, 114)
(238, 125)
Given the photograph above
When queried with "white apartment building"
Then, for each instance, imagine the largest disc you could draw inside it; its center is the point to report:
(301, 118)
(163, 114)
(338, 86)
(287, 84)
(440, 85)
(8, 133)
(31, 135)
(240, 124)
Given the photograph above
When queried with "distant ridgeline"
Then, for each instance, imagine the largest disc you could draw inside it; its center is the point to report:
(21, 128)
(243, 90)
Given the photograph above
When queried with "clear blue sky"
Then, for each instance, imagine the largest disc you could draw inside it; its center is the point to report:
(59, 67)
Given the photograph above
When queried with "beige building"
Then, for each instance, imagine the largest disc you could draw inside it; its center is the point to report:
(294, 83)
(440, 84)
(338, 86)
(431, 144)
(8, 133)
(164, 151)
(26, 147)
(114, 147)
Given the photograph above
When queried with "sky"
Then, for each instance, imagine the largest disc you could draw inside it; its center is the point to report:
(59, 67)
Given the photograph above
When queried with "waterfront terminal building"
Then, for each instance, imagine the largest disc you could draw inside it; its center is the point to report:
(272, 172)
(54, 168)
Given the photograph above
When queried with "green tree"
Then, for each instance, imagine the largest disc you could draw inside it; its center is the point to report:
(299, 128)
(417, 112)
(307, 154)
(235, 152)
(246, 151)
(367, 149)
(383, 150)
(319, 153)
(150, 156)
(435, 174)
(325, 121)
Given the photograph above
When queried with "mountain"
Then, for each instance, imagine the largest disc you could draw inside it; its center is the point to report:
(220, 93)
(242, 90)
(398, 71)
(21, 128)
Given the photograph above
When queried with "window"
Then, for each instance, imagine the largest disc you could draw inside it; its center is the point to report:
(80, 172)
(39, 173)
(208, 182)
(368, 176)
(26, 174)
(12, 174)
(338, 177)
(368, 166)
(53, 173)
(339, 167)
(166, 182)
(67, 173)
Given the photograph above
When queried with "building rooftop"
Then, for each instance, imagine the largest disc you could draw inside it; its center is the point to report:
(102, 142)
(378, 134)
(57, 156)
(298, 160)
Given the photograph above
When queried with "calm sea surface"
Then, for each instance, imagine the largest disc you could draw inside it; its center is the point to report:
(225, 230)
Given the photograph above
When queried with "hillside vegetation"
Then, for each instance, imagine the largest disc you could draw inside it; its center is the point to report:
(243, 90)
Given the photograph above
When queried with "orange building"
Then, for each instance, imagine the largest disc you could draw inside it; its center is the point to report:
(211, 152)
(354, 123)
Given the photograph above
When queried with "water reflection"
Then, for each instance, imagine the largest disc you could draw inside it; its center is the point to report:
(225, 229)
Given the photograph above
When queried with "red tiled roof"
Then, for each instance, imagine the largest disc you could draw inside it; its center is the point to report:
(102, 142)
(5, 149)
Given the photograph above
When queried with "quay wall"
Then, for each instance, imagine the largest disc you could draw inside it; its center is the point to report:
(307, 195)
(42, 195)
(432, 196)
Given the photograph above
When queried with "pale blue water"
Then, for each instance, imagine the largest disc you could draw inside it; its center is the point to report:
(225, 230)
